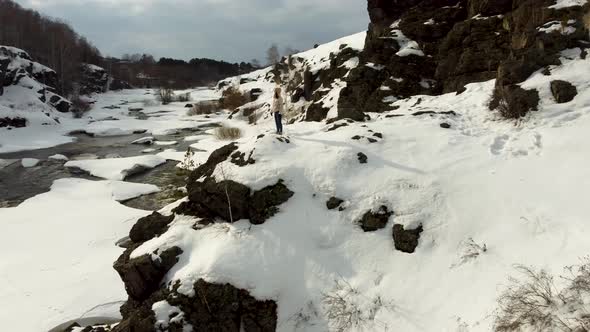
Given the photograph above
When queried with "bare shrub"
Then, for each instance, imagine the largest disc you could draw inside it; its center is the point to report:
(149, 102)
(203, 108)
(534, 302)
(183, 98)
(165, 96)
(80, 107)
(348, 309)
(232, 98)
(228, 133)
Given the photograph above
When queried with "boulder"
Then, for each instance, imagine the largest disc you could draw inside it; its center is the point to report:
(227, 200)
(149, 227)
(264, 203)
(142, 275)
(372, 221)
(214, 307)
(562, 91)
(255, 93)
(216, 157)
(333, 203)
(239, 158)
(362, 158)
(13, 122)
(94, 79)
(406, 240)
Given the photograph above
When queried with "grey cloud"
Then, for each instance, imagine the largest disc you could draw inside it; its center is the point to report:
(222, 29)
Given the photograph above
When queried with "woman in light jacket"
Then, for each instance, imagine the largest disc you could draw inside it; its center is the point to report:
(277, 110)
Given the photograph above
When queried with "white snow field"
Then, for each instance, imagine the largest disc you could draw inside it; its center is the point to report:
(116, 168)
(519, 189)
(58, 251)
(111, 115)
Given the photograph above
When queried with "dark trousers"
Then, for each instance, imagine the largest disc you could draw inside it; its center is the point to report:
(279, 122)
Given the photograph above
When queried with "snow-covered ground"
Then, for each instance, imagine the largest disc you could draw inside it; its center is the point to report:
(110, 116)
(58, 250)
(517, 189)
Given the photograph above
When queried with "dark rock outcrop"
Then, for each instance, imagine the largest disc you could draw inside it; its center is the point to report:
(263, 203)
(229, 200)
(142, 275)
(562, 91)
(13, 122)
(215, 307)
(372, 221)
(149, 227)
(406, 240)
(362, 158)
(333, 203)
(17, 68)
(463, 41)
(232, 201)
(239, 158)
(94, 79)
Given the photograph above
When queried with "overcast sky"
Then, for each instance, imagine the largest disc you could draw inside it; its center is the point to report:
(231, 30)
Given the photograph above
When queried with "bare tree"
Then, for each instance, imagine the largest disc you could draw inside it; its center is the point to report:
(255, 63)
(290, 51)
(272, 54)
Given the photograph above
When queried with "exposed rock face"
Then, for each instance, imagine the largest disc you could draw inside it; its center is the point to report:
(562, 91)
(13, 122)
(362, 158)
(406, 240)
(18, 69)
(94, 79)
(215, 307)
(119, 85)
(142, 275)
(372, 221)
(333, 203)
(149, 227)
(232, 201)
(263, 203)
(458, 42)
(227, 199)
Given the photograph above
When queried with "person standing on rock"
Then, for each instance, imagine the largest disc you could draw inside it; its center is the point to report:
(277, 110)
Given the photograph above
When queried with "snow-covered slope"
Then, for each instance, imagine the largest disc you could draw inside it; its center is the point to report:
(28, 93)
(489, 193)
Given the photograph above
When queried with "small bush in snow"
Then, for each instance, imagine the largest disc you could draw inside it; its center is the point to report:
(79, 107)
(149, 103)
(233, 98)
(349, 310)
(535, 303)
(183, 98)
(228, 133)
(165, 96)
(203, 108)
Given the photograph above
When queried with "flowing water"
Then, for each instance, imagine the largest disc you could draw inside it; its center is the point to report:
(18, 183)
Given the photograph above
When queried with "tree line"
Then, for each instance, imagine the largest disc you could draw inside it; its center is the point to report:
(54, 43)
(142, 70)
(49, 41)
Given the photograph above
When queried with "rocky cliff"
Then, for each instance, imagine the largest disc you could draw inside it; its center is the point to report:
(432, 47)
(26, 86)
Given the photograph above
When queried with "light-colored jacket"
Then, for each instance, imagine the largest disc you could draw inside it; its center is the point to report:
(277, 105)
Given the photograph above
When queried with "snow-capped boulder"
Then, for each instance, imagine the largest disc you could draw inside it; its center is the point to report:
(563, 91)
(94, 79)
(27, 91)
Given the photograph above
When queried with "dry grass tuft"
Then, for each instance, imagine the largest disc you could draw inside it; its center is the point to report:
(228, 133)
